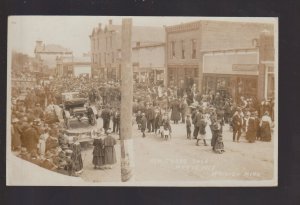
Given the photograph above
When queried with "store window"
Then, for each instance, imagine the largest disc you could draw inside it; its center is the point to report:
(221, 84)
(246, 87)
(210, 84)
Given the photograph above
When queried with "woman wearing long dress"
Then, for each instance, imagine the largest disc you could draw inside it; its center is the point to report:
(265, 127)
(175, 114)
(251, 130)
(98, 153)
(208, 133)
(109, 148)
(76, 157)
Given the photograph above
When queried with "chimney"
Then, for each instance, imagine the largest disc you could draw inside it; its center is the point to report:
(110, 21)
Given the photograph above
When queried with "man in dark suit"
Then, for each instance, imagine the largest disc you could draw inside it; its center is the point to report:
(106, 118)
(150, 115)
(237, 123)
(197, 123)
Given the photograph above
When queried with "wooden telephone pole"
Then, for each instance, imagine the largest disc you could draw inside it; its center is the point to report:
(127, 162)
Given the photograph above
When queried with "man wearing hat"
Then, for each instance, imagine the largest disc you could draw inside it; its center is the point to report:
(38, 111)
(106, 117)
(143, 124)
(15, 135)
(237, 123)
(31, 139)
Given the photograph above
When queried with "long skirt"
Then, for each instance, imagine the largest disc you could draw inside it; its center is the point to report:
(265, 132)
(219, 146)
(251, 135)
(110, 155)
(98, 160)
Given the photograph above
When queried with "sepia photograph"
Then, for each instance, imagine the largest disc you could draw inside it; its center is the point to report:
(142, 101)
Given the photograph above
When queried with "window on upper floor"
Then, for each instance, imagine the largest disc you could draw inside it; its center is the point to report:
(194, 48)
(182, 49)
(172, 53)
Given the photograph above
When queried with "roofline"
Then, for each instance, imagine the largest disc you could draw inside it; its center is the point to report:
(148, 46)
(229, 49)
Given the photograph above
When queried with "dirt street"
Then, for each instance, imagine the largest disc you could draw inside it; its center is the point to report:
(181, 160)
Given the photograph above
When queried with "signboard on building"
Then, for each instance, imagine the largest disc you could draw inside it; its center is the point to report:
(245, 67)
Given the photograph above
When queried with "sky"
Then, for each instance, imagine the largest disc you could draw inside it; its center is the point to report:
(73, 32)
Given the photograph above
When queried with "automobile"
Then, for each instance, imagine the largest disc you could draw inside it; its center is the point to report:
(76, 109)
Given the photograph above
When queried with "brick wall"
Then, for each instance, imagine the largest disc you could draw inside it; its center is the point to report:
(227, 35)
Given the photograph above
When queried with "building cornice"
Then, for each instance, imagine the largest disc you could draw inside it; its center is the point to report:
(183, 27)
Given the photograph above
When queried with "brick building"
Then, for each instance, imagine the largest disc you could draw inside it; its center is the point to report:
(187, 43)
(106, 47)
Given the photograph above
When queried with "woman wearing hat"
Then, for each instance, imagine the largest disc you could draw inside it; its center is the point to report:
(109, 149)
(15, 135)
(265, 127)
(98, 152)
(251, 129)
(76, 156)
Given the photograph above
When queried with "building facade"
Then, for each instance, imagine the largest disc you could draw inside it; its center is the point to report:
(187, 43)
(73, 66)
(106, 47)
(46, 55)
(241, 72)
(149, 63)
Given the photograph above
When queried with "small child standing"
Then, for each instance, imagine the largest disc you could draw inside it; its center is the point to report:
(188, 127)
(218, 146)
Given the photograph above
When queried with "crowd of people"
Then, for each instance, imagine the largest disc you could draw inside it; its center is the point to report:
(207, 114)
(38, 135)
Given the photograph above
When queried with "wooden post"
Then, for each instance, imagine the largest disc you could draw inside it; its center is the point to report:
(127, 162)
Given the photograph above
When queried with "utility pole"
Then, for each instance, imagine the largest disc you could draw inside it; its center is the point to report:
(127, 162)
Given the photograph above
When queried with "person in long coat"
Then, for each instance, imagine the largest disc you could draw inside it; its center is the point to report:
(175, 114)
(265, 127)
(76, 157)
(150, 115)
(109, 149)
(98, 153)
(251, 129)
(31, 139)
(184, 110)
(15, 135)
(237, 123)
(106, 118)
